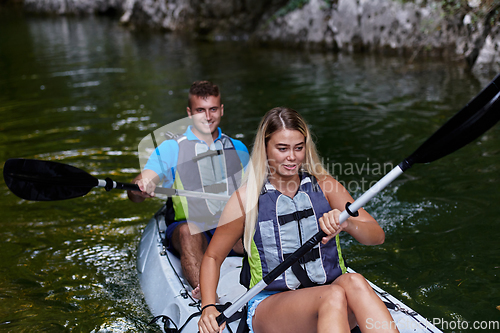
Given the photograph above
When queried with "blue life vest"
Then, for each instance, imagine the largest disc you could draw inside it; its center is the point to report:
(283, 225)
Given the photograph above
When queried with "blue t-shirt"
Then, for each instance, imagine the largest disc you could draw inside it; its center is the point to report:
(168, 153)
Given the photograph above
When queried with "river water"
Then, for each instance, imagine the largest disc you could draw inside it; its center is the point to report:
(85, 91)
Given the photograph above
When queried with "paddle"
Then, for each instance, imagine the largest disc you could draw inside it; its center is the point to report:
(479, 115)
(49, 181)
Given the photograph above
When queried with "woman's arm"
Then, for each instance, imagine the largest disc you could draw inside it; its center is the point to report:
(364, 228)
(227, 234)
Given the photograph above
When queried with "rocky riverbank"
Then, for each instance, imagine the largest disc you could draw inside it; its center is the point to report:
(469, 32)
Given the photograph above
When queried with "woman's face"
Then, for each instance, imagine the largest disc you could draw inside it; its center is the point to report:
(286, 151)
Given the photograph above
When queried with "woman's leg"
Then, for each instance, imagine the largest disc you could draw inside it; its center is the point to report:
(317, 309)
(371, 313)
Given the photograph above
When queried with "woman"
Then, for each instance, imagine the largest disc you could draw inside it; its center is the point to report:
(287, 197)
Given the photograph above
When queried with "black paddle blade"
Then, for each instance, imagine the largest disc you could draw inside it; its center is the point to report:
(45, 180)
(479, 115)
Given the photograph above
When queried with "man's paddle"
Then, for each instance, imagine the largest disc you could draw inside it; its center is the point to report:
(479, 115)
(48, 181)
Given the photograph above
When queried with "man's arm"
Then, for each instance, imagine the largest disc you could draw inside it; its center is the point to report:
(158, 165)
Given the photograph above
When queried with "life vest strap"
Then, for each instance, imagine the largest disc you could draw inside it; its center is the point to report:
(295, 216)
(309, 256)
(300, 272)
(208, 153)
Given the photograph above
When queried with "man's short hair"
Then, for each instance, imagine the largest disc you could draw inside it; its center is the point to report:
(203, 89)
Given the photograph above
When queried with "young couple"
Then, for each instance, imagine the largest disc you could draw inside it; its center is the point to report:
(286, 197)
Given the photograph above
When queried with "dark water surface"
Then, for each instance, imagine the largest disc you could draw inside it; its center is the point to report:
(84, 91)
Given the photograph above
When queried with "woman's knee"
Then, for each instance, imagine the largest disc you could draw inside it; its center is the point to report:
(355, 281)
(333, 298)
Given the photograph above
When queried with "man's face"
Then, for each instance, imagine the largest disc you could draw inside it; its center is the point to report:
(206, 114)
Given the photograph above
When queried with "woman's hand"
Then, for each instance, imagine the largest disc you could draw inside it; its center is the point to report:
(208, 321)
(330, 225)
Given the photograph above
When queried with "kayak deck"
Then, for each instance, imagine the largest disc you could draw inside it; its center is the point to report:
(168, 293)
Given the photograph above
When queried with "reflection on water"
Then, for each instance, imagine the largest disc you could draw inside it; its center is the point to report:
(85, 91)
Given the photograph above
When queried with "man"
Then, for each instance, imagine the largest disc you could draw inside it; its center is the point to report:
(202, 159)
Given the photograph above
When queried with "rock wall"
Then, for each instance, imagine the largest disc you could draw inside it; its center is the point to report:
(489, 54)
(388, 26)
(212, 18)
(360, 25)
(74, 6)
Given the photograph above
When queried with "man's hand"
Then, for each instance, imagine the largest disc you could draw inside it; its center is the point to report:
(146, 181)
(147, 187)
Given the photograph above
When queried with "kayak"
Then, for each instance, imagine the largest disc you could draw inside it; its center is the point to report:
(168, 294)
(166, 291)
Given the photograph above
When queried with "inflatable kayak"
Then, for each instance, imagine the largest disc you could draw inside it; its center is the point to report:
(168, 294)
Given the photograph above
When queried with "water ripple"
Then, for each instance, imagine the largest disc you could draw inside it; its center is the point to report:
(85, 71)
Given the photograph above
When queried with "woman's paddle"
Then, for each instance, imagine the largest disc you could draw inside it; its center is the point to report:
(49, 181)
(479, 115)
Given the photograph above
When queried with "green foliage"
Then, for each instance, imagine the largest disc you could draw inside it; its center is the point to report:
(330, 3)
(289, 7)
(486, 10)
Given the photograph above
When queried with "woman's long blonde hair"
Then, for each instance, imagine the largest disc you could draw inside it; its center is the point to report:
(258, 171)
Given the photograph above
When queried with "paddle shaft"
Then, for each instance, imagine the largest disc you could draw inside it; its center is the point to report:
(307, 246)
(48, 180)
(109, 184)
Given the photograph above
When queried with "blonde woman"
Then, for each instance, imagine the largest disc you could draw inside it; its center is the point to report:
(288, 196)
